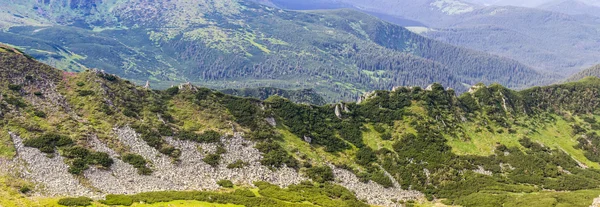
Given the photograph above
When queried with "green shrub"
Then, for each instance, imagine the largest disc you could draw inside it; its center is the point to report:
(237, 164)
(84, 93)
(37, 93)
(320, 174)
(220, 150)
(225, 183)
(108, 77)
(80, 84)
(212, 159)
(172, 91)
(275, 156)
(48, 142)
(25, 189)
(122, 200)
(40, 114)
(209, 136)
(138, 162)
(79, 201)
(365, 156)
(14, 87)
(244, 192)
(380, 178)
(386, 136)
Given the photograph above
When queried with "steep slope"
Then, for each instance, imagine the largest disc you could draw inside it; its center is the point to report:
(239, 44)
(592, 71)
(93, 134)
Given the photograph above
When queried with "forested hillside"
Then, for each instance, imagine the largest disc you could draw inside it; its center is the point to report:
(241, 44)
(553, 37)
(592, 71)
(96, 135)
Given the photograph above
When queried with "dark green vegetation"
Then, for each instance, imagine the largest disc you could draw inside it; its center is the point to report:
(491, 140)
(225, 183)
(307, 96)
(241, 44)
(79, 201)
(138, 162)
(304, 194)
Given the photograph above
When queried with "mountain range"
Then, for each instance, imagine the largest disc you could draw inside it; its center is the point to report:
(242, 44)
(556, 36)
(94, 139)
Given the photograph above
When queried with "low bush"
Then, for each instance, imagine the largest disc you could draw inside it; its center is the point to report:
(237, 164)
(48, 142)
(79, 201)
(320, 174)
(212, 159)
(121, 200)
(14, 87)
(209, 136)
(84, 93)
(137, 162)
(244, 192)
(40, 114)
(225, 183)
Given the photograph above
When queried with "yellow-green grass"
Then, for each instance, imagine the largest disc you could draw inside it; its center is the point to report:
(185, 204)
(7, 149)
(556, 135)
(199, 118)
(581, 198)
(293, 143)
(373, 139)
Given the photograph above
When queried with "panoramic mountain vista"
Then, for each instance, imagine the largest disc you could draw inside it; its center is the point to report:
(288, 103)
(241, 44)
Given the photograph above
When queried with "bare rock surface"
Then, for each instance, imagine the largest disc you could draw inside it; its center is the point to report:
(50, 174)
(189, 173)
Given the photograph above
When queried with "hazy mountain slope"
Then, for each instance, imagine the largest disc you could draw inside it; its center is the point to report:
(593, 71)
(545, 40)
(430, 12)
(572, 7)
(229, 44)
(93, 133)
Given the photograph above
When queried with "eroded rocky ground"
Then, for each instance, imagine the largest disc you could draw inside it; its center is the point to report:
(51, 175)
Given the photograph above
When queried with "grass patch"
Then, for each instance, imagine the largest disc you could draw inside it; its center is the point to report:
(479, 141)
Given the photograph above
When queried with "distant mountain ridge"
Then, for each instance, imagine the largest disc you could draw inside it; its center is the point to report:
(545, 40)
(592, 71)
(241, 44)
(572, 7)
